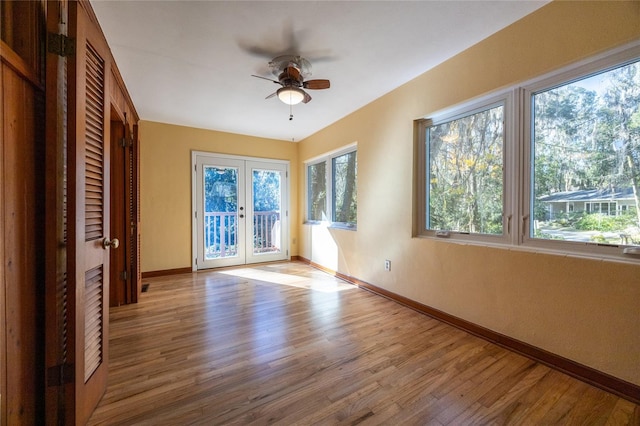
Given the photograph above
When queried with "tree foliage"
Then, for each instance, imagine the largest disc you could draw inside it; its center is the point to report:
(220, 189)
(588, 138)
(345, 192)
(266, 191)
(466, 173)
(317, 190)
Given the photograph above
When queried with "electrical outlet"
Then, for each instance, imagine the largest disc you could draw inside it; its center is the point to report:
(387, 265)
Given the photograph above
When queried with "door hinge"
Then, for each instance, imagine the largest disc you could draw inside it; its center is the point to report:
(61, 45)
(123, 142)
(123, 275)
(60, 375)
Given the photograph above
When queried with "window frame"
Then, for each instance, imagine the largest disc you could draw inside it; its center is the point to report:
(517, 162)
(328, 158)
(506, 99)
(605, 62)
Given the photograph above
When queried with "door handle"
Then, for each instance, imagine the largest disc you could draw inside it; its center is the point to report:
(106, 243)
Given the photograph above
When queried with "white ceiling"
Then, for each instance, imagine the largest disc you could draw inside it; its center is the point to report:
(190, 62)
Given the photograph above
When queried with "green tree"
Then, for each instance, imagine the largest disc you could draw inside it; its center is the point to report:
(266, 191)
(317, 190)
(622, 100)
(588, 139)
(465, 173)
(345, 192)
(220, 189)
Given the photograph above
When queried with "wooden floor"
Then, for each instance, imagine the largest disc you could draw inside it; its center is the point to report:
(287, 344)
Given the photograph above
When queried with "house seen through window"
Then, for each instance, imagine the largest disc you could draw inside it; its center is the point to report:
(552, 164)
(586, 154)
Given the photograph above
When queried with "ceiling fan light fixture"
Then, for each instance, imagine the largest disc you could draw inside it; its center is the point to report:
(290, 95)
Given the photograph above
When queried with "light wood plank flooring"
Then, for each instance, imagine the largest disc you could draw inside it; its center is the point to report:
(287, 344)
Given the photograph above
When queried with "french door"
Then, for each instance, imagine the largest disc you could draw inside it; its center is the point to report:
(240, 210)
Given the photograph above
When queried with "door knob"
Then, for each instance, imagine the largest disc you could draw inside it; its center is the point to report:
(106, 243)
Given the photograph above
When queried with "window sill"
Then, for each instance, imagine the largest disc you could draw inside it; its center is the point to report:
(332, 225)
(344, 226)
(536, 247)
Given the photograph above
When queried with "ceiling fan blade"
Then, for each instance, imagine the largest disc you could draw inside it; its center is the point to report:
(316, 84)
(307, 98)
(271, 95)
(265, 78)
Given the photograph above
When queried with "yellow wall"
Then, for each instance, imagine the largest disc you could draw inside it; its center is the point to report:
(165, 181)
(585, 310)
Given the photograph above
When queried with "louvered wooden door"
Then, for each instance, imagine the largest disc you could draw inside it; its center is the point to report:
(89, 175)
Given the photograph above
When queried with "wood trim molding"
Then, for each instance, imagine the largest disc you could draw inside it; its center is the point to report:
(579, 371)
(19, 65)
(176, 271)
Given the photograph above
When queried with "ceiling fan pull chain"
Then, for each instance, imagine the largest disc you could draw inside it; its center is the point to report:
(290, 112)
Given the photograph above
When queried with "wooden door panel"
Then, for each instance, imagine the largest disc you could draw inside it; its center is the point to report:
(118, 279)
(80, 89)
(134, 176)
(89, 209)
(20, 267)
(57, 354)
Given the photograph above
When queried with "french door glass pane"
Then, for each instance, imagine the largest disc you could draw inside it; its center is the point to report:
(220, 212)
(267, 189)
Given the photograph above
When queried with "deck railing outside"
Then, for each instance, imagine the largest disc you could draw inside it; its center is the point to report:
(220, 233)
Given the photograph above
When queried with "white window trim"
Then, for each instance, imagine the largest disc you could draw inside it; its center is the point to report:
(327, 158)
(583, 69)
(504, 99)
(517, 163)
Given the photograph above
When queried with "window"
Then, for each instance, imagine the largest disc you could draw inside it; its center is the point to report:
(317, 190)
(463, 154)
(332, 189)
(344, 206)
(585, 147)
(558, 170)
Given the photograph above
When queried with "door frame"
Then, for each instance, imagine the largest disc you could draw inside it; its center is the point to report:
(246, 159)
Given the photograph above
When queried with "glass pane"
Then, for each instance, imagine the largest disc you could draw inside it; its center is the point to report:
(317, 191)
(344, 188)
(221, 212)
(465, 190)
(586, 150)
(266, 211)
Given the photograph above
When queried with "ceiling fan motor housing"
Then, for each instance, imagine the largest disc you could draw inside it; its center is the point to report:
(292, 72)
(280, 64)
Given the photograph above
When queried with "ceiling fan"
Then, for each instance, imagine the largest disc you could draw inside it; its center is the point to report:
(292, 72)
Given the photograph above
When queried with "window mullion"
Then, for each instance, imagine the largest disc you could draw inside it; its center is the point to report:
(329, 183)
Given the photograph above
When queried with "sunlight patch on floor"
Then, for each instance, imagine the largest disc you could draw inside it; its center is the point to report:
(327, 286)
